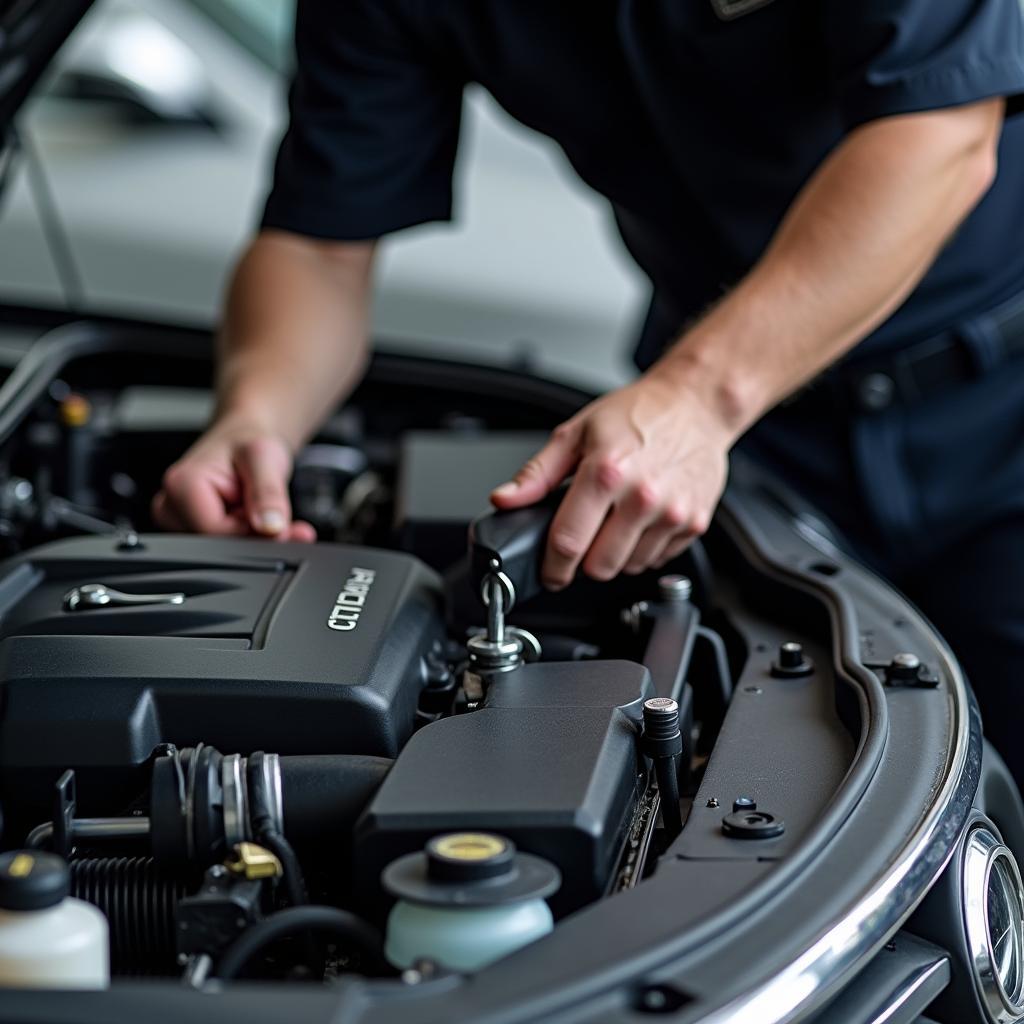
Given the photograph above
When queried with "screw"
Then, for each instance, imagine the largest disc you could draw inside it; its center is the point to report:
(712, 801)
(752, 689)
(743, 803)
(675, 588)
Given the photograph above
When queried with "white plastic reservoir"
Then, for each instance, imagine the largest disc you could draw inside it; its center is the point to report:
(469, 899)
(48, 939)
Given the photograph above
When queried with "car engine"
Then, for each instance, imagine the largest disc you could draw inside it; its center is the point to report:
(292, 761)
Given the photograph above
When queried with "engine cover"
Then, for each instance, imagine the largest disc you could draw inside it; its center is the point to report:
(239, 643)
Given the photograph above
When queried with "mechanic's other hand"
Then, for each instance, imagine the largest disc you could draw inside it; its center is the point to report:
(233, 481)
(650, 464)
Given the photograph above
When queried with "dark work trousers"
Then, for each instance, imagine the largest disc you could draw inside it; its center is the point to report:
(930, 495)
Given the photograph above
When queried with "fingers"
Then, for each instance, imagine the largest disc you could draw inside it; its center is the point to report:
(264, 468)
(544, 472)
(596, 486)
(231, 492)
(196, 502)
(300, 532)
(607, 526)
(623, 531)
(164, 516)
(670, 525)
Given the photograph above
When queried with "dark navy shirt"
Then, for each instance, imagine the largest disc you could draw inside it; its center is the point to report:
(699, 120)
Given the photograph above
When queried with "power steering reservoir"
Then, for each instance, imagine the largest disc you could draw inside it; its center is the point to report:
(467, 900)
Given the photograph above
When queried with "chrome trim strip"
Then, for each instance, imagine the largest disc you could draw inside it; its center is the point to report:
(863, 928)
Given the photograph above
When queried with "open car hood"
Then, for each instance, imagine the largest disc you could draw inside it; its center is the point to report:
(31, 32)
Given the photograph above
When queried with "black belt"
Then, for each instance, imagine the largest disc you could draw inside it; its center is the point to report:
(924, 370)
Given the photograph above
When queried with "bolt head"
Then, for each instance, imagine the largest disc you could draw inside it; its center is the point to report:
(904, 667)
(675, 587)
(791, 662)
(791, 654)
(712, 802)
(743, 803)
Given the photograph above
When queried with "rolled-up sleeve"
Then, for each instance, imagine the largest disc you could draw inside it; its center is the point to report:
(891, 57)
(374, 126)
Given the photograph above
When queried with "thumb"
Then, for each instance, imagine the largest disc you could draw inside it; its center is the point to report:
(543, 473)
(264, 468)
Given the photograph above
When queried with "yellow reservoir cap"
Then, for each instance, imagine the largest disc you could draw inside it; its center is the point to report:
(75, 411)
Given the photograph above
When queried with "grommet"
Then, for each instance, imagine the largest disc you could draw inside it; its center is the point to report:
(752, 825)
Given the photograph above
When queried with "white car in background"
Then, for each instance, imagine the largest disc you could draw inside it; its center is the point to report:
(155, 141)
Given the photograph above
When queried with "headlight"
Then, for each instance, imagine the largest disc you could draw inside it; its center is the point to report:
(994, 918)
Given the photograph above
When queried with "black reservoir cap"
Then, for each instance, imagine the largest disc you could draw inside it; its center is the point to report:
(470, 869)
(32, 880)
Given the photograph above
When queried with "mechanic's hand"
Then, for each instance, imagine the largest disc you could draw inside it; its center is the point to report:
(232, 481)
(650, 464)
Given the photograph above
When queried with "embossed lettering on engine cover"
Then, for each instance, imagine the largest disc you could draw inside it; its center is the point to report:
(351, 600)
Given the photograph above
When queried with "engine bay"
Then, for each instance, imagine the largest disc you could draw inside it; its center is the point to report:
(289, 761)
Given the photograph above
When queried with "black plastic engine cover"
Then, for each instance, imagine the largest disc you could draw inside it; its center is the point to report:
(551, 761)
(285, 647)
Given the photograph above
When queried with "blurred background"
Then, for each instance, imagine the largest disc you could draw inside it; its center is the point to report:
(149, 154)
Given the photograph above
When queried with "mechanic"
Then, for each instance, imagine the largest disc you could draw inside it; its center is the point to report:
(837, 265)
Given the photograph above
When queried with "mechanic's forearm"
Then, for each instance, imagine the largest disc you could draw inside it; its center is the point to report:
(856, 241)
(294, 341)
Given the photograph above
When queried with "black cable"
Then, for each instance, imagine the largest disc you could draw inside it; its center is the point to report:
(294, 882)
(265, 827)
(54, 231)
(362, 937)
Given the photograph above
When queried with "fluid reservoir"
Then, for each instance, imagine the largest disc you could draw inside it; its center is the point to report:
(48, 939)
(469, 899)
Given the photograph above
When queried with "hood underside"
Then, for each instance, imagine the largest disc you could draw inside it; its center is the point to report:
(31, 32)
